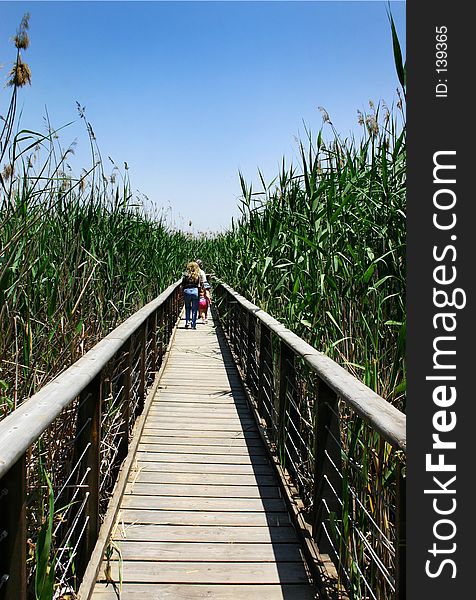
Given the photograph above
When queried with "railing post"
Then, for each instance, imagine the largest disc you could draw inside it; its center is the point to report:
(165, 322)
(161, 334)
(250, 338)
(13, 532)
(286, 364)
(328, 467)
(176, 306)
(178, 299)
(264, 348)
(172, 314)
(401, 537)
(143, 363)
(89, 441)
(229, 320)
(240, 335)
(154, 358)
(173, 304)
(125, 383)
(170, 318)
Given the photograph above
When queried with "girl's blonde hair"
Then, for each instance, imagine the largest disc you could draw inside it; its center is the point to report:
(193, 271)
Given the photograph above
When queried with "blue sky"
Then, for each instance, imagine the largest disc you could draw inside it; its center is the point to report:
(189, 93)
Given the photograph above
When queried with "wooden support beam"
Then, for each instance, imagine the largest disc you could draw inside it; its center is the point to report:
(13, 532)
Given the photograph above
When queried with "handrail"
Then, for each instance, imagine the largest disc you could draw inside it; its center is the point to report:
(384, 417)
(42, 408)
(76, 432)
(340, 446)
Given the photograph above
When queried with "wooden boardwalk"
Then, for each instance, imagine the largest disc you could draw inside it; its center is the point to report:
(202, 515)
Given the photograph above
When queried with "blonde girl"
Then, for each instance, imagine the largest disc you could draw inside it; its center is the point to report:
(190, 289)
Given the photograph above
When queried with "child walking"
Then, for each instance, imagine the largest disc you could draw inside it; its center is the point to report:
(204, 302)
(202, 305)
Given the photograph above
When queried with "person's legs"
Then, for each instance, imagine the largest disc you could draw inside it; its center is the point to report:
(194, 302)
(187, 299)
(202, 307)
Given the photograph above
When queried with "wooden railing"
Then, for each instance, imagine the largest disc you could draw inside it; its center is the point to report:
(340, 445)
(64, 447)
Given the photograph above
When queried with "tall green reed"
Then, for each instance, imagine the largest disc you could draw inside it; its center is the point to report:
(77, 254)
(324, 250)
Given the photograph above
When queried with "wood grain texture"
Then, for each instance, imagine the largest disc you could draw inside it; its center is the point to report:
(173, 591)
(202, 515)
(210, 572)
(204, 503)
(194, 552)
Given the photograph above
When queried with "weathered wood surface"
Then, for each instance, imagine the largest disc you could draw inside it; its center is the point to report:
(202, 515)
(172, 591)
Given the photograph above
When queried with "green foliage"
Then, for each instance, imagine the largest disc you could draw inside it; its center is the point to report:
(45, 565)
(324, 251)
(397, 54)
(75, 261)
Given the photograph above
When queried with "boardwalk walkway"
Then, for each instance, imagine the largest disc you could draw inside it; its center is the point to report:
(202, 515)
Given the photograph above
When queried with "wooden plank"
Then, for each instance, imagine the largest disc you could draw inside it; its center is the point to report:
(205, 449)
(187, 372)
(187, 397)
(191, 394)
(198, 421)
(196, 401)
(203, 458)
(204, 503)
(194, 517)
(173, 591)
(198, 411)
(177, 370)
(185, 369)
(220, 379)
(204, 413)
(195, 441)
(195, 425)
(209, 572)
(197, 490)
(195, 552)
(207, 533)
(193, 406)
(208, 392)
(204, 433)
(179, 467)
(210, 415)
(219, 393)
(219, 383)
(203, 478)
(203, 388)
(211, 358)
